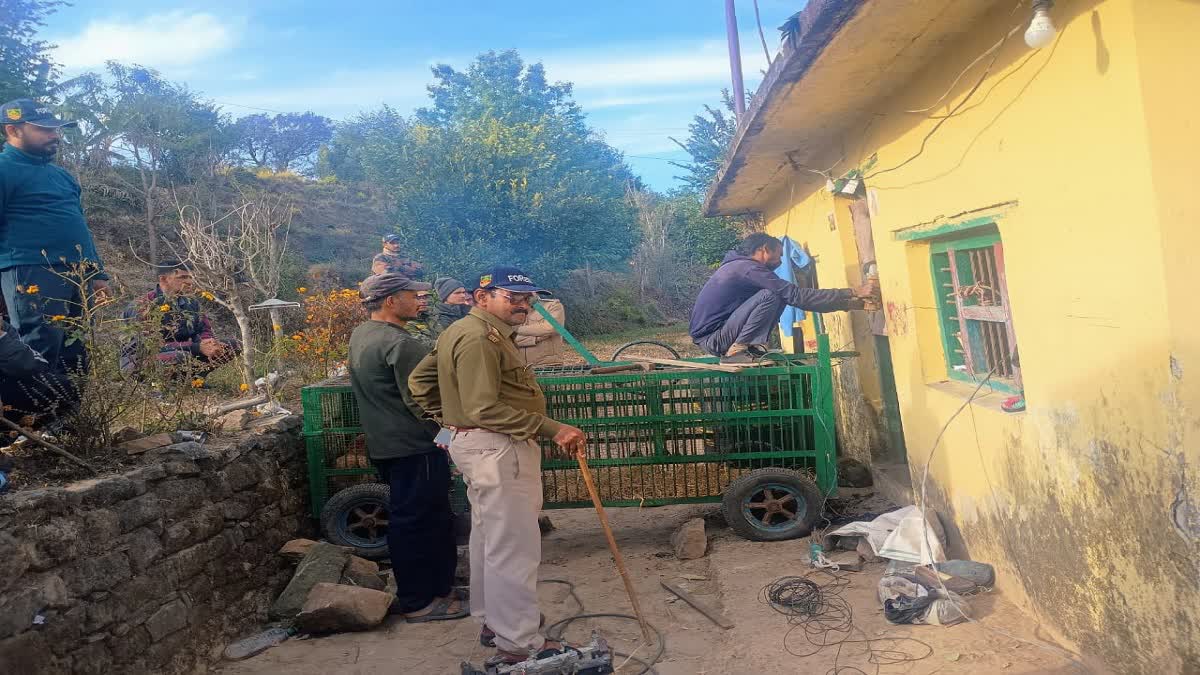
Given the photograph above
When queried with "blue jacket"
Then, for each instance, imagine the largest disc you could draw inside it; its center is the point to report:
(740, 277)
(40, 211)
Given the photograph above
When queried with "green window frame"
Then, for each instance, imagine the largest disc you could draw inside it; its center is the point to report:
(973, 308)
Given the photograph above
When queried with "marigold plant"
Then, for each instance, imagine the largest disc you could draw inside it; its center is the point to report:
(329, 318)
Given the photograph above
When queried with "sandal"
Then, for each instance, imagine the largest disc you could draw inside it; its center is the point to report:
(441, 611)
(487, 637)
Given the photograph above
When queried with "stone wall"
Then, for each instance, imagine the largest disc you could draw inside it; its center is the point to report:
(151, 570)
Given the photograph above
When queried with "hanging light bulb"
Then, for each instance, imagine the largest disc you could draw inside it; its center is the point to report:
(1041, 31)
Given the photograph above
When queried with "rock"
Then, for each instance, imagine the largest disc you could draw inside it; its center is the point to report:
(140, 445)
(853, 473)
(14, 562)
(545, 525)
(322, 564)
(690, 540)
(389, 581)
(31, 599)
(235, 421)
(103, 491)
(363, 573)
(125, 434)
(296, 549)
(334, 608)
(138, 512)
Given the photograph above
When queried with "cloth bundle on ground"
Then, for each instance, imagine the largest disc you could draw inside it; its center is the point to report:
(901, 535)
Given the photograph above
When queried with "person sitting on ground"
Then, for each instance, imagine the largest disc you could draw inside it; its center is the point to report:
(30, 390)
(742, 301)
(400, 443)
(454, 301)
(391, 260)
(188, 346)
(539, 342)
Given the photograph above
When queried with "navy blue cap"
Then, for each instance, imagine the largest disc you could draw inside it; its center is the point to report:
(508, 278)
(27, 111)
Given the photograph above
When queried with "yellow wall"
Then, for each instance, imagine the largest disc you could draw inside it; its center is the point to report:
(1094, 143)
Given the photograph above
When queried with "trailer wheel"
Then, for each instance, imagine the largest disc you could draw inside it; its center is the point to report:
(633, 348)
(358, 517)
(772, 504)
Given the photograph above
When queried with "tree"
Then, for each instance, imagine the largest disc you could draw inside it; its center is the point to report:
(164, 131)
(501, 168)
(709, 136)
(26, 70)
(285, 142)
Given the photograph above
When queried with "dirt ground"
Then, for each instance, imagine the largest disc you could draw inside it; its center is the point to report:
(729, 578)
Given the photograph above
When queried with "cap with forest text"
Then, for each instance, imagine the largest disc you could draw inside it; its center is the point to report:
(508, 278)
(27, 111)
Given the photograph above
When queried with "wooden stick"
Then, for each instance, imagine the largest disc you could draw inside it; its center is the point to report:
(612, 545)
(720, 367)
(704, 609)
(33, 436)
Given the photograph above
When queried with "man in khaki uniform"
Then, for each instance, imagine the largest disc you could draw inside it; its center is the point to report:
(475, 383)
(540, 343)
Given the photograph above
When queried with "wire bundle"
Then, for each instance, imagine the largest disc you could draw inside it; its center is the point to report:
(827, 620)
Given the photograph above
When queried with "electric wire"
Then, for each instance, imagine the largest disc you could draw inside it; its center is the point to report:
(556, 630)
(826, 619)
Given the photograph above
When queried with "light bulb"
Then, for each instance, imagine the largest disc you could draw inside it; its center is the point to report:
(1041, 29)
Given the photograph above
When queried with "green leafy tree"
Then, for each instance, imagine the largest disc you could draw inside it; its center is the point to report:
(285, 142)
(709, 136)
(500, 168)
(26, 69)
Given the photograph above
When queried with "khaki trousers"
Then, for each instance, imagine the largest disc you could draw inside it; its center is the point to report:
(504, 486)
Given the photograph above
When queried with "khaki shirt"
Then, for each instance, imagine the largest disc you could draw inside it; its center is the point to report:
(475, 377)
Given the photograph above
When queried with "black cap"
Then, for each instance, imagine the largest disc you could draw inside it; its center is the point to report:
(26, 111)
(379, 286)
(509, 278)
(391, 239)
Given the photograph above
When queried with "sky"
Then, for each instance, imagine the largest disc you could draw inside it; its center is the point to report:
(641, 69)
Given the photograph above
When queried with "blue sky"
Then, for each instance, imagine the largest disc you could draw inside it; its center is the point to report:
(641, 69)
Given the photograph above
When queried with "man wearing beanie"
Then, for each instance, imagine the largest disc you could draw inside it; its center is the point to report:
(453, 301)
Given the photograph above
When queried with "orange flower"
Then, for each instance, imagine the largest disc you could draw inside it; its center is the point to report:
(58, 317)
(243, 387)
(208, 296)
(298, 336)
(164, 308)
(198, 382)
(32, 289)
(302, 289)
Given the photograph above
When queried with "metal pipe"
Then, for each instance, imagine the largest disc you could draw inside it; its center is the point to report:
(735, 59)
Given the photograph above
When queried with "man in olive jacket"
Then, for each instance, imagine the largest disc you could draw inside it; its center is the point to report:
(400, 445)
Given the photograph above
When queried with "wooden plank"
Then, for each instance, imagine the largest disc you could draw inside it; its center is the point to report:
(704, 609)
(719, 367)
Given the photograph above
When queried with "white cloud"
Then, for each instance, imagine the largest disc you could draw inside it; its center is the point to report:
(161, 41)
(641, 65)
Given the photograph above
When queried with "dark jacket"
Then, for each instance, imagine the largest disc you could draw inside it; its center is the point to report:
(740, 277)
(184, 324)
(448, 314)
(40, 211)
(382, 355)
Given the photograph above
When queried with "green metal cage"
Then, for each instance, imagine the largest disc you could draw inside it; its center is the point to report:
(672, 435)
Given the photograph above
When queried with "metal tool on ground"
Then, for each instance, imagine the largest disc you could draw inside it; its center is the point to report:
(586, 473)
(594, 658)
(712, 614)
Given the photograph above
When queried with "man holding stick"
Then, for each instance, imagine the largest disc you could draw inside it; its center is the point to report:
(475, 383)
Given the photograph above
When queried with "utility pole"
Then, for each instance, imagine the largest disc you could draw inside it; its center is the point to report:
(735, 59)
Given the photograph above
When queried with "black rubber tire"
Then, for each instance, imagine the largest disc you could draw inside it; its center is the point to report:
(752, 484)
(670, 350)
(338, 514)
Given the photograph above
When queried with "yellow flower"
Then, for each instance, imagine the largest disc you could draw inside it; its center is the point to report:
(243, 387)
(302, 289)
(58, 317)
(198, 382)
(298, 336)
(164, 308)
(208, 296)
(32, 288)
(276, 326)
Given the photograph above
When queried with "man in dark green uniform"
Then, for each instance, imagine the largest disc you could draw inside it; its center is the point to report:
(390, 260)
(400, 445)
(43, 236)
(475, 383)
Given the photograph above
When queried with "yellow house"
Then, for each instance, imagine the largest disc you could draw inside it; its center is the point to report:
(1030, 212)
